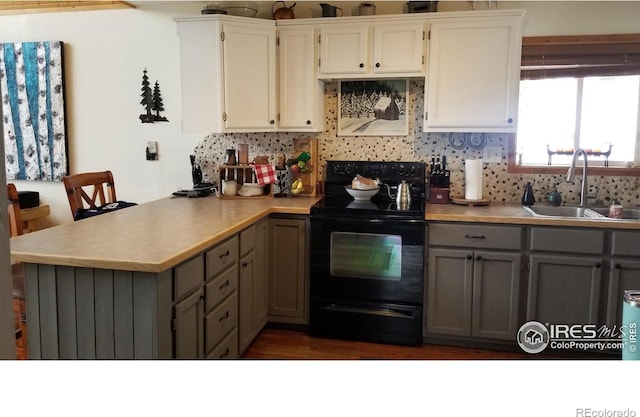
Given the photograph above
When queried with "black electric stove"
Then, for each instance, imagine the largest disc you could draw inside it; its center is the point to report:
(340, 173)
(367, 257)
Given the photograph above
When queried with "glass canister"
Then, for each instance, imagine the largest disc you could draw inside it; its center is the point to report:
(230, 157)
(367, 9)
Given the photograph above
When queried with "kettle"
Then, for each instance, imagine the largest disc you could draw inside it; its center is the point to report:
(403, 196)
(330, 11)
(283, 12)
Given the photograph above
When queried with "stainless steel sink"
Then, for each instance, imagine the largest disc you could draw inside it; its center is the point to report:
(568, 212)
(562, 211)
(627, 214)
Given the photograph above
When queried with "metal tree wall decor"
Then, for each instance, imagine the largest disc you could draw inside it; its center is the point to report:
(151, 101)
(33, 109)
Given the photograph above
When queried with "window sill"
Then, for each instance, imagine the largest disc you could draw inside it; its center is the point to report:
(593, 170)
(616, 171)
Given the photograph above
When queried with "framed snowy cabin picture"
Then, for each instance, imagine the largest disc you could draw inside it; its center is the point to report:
(373, 108)
(33, 110)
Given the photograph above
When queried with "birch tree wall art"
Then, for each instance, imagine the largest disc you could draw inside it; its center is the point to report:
(35, 136)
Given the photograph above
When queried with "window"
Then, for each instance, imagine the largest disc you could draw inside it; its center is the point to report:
(598, 114)
(578, 91)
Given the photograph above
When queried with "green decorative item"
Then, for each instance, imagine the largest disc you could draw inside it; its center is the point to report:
(554, 198)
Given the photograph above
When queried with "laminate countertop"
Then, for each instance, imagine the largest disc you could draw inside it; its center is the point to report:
(158, 235)
(515, 214)
(150, 237)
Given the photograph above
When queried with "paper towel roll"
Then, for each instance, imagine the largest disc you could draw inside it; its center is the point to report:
(473, 179)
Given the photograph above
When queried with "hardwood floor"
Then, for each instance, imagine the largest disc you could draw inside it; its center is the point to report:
(287, 344)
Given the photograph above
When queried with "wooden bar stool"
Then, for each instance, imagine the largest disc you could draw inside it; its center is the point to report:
(17, 271)
(89, 190)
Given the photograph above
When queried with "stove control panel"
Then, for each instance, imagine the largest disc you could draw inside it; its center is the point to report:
(341, 171)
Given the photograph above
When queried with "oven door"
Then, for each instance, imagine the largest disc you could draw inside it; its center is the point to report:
(380, 260)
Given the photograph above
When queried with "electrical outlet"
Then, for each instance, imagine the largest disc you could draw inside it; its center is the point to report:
(492, 153)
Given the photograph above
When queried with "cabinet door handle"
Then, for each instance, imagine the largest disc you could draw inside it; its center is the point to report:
(226, 316)
(478, 258)
(244, 264)
(475, 237)
(225, 353)
(361, 65)
(377, 65)
(598, 265)
(469, 257)
(617, 266)
(226, 284)
(227, 253)
(510, 120)
(271, 121)
(308, 122)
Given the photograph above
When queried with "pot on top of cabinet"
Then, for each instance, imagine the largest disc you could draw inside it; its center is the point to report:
(283, 12)
(367, 9)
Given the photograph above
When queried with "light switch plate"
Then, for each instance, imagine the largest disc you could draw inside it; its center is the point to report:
(492, 153)
(152, 151)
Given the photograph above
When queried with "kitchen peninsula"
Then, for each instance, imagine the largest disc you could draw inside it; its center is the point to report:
(111, 286)
(164, 279)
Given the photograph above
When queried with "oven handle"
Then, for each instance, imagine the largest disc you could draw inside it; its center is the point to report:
(355, 220)
(386, 312)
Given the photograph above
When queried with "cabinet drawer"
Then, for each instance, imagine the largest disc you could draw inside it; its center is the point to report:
(475, 236)
(188, 276)
(625, 244)
(220, 287)
(568, 241)
(247, 240)
(222, 256)
(227, 348)
(221, 321)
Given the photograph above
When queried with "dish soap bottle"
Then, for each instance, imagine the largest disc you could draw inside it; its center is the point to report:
(554, 198)
(527, 198)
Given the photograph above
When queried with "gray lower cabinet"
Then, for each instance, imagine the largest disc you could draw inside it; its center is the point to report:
(188, 309)
(288, 270)
(221, 296)
(254, 242)
(624, 272)
(565, 275)
(471, 292)
(188, 323)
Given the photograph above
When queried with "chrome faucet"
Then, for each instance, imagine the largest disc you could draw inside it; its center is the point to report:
(572, 171)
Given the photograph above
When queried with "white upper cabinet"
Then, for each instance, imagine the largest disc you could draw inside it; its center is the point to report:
(399, 49)
(358, 50)
(228, 74)
(301, 94)
(473, 74)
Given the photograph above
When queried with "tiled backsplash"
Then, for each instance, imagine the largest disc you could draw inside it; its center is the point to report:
(418, 146)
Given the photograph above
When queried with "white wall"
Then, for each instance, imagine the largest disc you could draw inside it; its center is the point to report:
(106, 52)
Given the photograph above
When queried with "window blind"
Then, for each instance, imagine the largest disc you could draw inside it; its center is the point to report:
(580, 56)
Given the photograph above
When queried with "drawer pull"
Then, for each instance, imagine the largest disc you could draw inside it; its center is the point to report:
(244, 264)
(226, 284)
(224, 255)
(224, 354)
(474, 237)
(226, 316)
